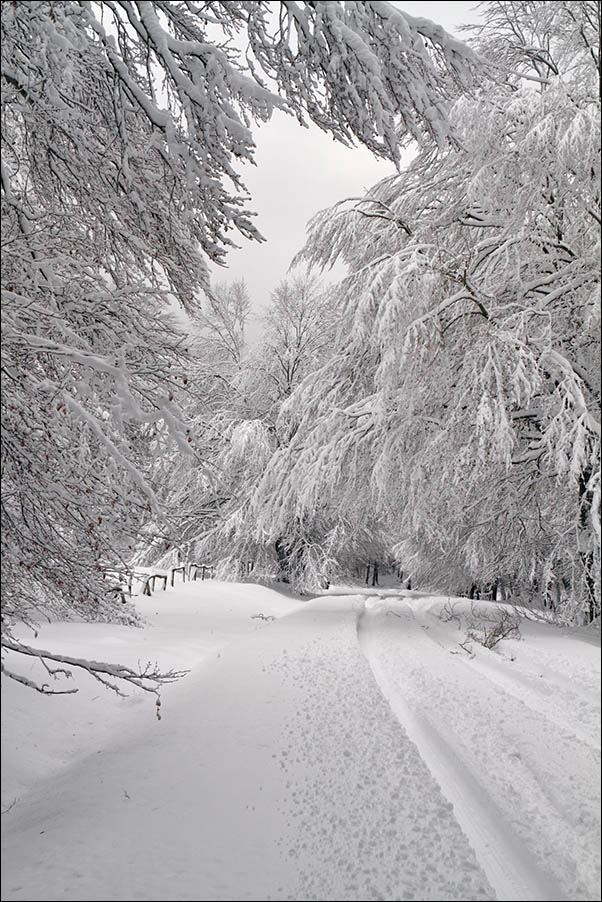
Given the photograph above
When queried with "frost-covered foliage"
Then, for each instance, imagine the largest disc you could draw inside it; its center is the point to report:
(88, 352)
(219, 327)
(122, 124)
(298, 329)
(462, 398)
(194, 492)
(217, 518)
(540, 40)
(233, 405)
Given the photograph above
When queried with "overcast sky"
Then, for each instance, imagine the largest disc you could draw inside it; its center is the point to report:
(300, 171)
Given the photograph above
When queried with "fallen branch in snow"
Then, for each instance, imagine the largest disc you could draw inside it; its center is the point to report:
(149, 678)
(485, 625)
(504, 625)
(467, 649)
(449, 612)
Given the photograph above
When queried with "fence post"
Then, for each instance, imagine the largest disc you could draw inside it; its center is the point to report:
(192, 575)
(175, 570)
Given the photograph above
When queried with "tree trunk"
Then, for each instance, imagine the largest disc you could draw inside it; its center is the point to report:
(283, 560)
(375, 573)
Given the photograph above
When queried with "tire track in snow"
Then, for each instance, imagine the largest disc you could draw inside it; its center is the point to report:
(500, 852)
(522, 687)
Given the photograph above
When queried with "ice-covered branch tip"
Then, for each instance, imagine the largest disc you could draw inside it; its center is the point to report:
(149, 678)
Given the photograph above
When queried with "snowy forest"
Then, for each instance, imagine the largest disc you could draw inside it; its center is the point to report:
(436, 411)
(358, 547)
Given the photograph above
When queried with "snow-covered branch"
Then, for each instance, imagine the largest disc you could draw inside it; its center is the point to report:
(113, 676)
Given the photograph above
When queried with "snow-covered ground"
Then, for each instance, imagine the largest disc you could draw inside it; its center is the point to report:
(351, 748)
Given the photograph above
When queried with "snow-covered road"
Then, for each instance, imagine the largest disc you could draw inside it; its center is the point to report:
(471, 731)
(349, 749)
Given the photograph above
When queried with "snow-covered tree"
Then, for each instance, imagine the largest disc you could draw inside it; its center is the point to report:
(194, 484)
(462, 400)
(298, 327)
(122, 123)
(213, 518)
(220, 325)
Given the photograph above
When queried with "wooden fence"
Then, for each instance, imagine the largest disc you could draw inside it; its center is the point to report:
(148, 581)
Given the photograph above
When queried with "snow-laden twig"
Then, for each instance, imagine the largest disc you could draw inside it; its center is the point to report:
(149, 678)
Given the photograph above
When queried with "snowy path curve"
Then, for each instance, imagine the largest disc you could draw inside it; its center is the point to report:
(344, 750)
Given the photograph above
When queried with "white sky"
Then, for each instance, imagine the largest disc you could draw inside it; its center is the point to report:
(300, 171)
